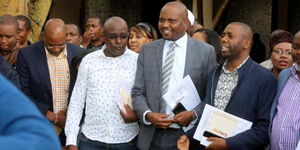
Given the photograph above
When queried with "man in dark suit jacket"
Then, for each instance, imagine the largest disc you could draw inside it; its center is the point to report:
(158, 129)
(44, 72)
(243, 88)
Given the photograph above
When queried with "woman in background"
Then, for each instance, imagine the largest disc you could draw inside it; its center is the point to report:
(280, 51)
(141, 34)
(210, 37)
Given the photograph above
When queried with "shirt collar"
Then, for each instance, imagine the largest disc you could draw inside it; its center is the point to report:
(294, 72)
(236, 69)
(125, 53)
(181, 42)
(62, 54)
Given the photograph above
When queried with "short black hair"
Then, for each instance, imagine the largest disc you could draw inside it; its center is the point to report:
(9, 20)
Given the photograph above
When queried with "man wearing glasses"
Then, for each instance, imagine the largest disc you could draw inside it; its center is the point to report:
(44, 73)
(96, 89)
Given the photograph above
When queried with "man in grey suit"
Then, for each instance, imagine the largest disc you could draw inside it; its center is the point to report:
(162, 64)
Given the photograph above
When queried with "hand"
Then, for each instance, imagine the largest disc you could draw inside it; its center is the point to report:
(183, 143)
(184, 118)
(130, 115)
(51, 116)
(62, 115)
(86, 39)
(72, 147)
(218, 144)
(159, 120)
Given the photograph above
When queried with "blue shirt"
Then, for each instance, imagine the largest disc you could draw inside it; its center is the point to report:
(21, 124)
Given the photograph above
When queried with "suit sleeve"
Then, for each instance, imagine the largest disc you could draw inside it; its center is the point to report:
(211, 64)
(139, 89)
(257, 136)
(24, 75)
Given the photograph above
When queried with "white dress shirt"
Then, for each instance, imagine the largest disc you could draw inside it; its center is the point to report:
(96, 88)
(178, 67)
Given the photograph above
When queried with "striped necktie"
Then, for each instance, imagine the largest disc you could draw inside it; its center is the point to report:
(166, 73)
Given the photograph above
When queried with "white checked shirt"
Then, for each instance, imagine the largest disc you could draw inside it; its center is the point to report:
(96, 88)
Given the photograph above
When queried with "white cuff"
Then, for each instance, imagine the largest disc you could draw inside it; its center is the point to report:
(71, 140)
(144, 117)
(196, 116)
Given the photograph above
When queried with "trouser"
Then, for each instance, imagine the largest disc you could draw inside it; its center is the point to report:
(165, 139)
(87, 144)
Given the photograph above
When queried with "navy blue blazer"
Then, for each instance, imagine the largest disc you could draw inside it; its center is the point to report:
(251, 99)
(34, 74)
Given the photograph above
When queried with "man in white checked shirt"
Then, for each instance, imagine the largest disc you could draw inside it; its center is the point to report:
(162, 64)
(97, 82)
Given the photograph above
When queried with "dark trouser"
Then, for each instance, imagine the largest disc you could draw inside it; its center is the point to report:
(87, 144)
(165, 139)
(194, 144)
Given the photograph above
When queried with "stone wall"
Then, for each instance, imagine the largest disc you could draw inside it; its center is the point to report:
(256, 13)
(294, 16)
(130, 10)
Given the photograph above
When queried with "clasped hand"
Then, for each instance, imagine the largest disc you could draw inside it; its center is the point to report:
(163, 121)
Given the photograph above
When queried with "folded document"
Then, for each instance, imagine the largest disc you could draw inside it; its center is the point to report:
(217, 123)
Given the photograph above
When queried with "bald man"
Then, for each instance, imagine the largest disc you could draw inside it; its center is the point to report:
(242, 88)
(104, 125)
(44, 72)
(161, 65)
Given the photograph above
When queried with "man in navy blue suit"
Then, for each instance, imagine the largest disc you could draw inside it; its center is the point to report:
(44, 69)
(240, 87)
(243, 88)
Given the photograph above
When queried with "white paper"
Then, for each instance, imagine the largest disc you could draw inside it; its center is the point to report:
(124, 94)
(184, 92)
(298, 146)
(220, 123)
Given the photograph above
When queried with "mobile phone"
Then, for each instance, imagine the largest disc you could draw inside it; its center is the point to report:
(210, 134)
(178, 108)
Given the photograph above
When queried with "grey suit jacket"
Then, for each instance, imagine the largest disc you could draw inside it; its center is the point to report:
(200, 60)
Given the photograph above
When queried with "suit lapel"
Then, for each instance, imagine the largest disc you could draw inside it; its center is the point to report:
(189, 57)
(43, 65)
(69, 55)
(159, 54)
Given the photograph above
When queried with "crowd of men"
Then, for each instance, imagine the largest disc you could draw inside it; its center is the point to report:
(73, 79)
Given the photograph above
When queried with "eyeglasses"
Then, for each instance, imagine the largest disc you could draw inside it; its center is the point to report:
(115, 36)
(296, 47)
(280, 52)
(49, 46)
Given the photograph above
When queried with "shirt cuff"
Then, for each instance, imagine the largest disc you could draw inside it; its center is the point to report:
(71, 140)
(144, 117)
(196, 116)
